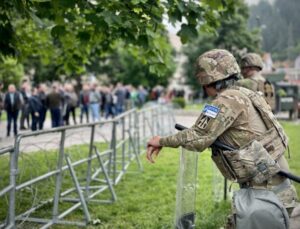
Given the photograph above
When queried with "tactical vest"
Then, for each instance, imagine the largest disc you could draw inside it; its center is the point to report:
(258, 159)
(267, 90)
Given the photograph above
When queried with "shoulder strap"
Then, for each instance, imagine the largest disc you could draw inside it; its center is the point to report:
(265, 112)
(261, 86)
(269, 89)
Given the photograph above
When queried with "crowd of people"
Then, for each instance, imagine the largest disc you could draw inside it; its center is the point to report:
(62, 100)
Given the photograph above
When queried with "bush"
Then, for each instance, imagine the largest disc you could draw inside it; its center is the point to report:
(281, 93)
(179, 102)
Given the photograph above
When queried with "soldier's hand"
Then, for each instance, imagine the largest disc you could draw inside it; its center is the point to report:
(153, 147)
(152, 150)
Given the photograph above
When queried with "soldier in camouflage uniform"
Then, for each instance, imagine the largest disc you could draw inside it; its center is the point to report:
(234, 119)
(251, 66)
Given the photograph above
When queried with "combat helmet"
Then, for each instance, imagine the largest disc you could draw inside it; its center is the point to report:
(252, 60)
(216, 65)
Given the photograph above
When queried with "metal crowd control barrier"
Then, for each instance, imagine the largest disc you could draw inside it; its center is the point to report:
(95, 156)
(9, 186)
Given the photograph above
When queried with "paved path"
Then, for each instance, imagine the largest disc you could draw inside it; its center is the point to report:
(73, 137)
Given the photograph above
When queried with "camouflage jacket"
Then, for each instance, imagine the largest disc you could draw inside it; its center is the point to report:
(258, 83)
(254, 83)
(235, 122)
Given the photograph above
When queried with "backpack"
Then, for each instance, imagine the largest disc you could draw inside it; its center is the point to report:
(259, 209)
(269, 94)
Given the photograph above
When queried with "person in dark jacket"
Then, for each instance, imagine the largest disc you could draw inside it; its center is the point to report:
(25, 92)
(35, 107)
(71, 100)
(120, 93)
(109, 103)
(84, 101)
(54, 104)
(12, 105)
(1, 100)
(43, 98)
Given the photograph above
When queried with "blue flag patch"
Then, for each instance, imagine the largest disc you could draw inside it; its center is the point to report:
(211, 111)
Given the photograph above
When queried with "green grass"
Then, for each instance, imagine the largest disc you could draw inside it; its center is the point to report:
(147, 199)
(194, 107)
(293, 132)
(3, 116)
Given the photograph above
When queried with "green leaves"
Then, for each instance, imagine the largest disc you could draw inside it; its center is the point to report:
(136, 2)
(111, 18)
(10, 70)
(41, 1)
(214, 4)
(58, 31)
(69, 33)
(64, 4)
(187, 32)
(205, 15)
(84, 36)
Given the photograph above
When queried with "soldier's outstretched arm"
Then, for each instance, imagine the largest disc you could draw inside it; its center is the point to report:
(212, 122)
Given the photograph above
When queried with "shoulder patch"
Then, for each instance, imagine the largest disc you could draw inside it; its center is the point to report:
(211, 111)
(203, 123)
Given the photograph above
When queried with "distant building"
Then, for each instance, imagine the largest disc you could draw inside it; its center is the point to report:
(267, 62)
(178, 79)
(297, 62)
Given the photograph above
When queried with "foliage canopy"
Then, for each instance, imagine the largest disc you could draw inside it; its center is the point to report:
(64, 36)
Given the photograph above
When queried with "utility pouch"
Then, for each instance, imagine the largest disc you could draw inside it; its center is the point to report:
(223, 165)
(272, 142)
(252, 163)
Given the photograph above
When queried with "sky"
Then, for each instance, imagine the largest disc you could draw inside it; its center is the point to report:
(251, 2)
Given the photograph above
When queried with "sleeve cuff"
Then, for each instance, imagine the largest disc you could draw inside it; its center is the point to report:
(169, 141)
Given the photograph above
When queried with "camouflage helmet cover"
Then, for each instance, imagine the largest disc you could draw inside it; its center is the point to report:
(252, 60)
(216, 65)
